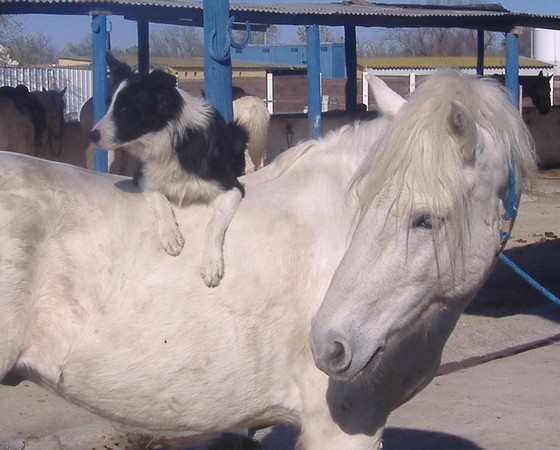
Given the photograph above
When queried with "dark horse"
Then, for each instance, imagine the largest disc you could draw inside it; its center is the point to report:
(29, 120)
(537, 88)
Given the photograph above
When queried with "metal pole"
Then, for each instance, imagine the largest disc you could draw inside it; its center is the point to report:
(143, 47)
(480, 53)
(99, 70)
(217, 57)
(314, 81)
(351, 68)
(512, 66)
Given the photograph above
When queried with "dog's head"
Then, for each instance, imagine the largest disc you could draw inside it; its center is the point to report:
(140, 104)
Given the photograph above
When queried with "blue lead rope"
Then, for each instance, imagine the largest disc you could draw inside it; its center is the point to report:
(505, 235)
(529, 279)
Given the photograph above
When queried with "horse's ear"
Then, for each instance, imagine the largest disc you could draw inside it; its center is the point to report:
(462, 126)
(389, 101)
(63, 91)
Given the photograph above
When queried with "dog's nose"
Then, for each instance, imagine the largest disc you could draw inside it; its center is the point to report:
(94, 136)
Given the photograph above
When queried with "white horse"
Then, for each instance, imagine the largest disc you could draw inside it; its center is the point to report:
(437, 198)
(93, 309)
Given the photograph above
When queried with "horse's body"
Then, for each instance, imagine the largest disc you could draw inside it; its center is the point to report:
(31, 121)
(92, 308)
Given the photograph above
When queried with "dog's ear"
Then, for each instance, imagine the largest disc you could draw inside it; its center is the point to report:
(163, 78)
(118, 70)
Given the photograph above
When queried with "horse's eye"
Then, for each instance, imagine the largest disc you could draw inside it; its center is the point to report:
(422, 221)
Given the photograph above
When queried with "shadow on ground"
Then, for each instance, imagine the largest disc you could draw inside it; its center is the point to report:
(410, 439)
(506, 293)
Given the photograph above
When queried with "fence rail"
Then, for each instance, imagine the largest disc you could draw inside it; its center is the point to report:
(78, 84)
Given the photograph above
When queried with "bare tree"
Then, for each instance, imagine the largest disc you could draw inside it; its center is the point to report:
(270, 36)
(32, 50)
(430, 41)
(177, 41)
(326, 34)
(79, 48)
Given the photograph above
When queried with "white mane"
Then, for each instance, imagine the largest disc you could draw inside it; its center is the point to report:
(420, 156)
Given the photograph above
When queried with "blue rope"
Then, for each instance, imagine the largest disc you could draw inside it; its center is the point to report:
(534, 283)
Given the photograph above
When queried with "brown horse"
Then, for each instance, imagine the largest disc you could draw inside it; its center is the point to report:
(31, 120)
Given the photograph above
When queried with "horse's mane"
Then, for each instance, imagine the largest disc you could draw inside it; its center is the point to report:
(419, 155)
(333, 139)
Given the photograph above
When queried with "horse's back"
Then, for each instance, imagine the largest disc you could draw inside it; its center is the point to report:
(17, 132)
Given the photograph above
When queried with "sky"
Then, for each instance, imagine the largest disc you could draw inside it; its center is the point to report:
(64, 29)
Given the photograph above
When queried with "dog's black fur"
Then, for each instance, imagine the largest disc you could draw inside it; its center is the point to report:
(213, 151)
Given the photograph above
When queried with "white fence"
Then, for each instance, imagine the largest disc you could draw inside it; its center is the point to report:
(78, 84)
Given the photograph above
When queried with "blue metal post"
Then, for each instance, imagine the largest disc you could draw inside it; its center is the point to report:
(99, 47)
(351, 67)
(143, 47)
(217, 58)
(314, 81)
(512, 67)
(480, 53)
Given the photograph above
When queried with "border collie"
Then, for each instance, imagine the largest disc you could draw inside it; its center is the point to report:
(187, 151)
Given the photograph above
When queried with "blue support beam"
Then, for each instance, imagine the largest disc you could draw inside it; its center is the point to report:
(351, 68)
(99, 47)
(217, 56)
(143, 47)
(314, 81)
(512, 67)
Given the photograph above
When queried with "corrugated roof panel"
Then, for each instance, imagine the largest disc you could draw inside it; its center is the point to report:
(463, 62)
(489, 17)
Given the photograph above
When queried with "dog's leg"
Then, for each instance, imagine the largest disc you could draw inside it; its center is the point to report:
(224, 207)
(170, 236)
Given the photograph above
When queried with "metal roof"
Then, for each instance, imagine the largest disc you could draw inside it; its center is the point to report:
(346, 13)
(435, 62)
(194, 63)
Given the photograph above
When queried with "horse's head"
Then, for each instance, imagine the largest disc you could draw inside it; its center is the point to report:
(54, 105)
(432, 194)
(539, 92)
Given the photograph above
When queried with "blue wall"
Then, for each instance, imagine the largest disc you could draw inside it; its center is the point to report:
(332, 56)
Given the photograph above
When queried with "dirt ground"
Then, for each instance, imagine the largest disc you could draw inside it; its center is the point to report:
(534, 246)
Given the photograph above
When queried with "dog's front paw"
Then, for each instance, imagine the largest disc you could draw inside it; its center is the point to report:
(212, 270)
(172, 241)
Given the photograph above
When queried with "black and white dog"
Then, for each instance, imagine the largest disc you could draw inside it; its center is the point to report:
(187, 151)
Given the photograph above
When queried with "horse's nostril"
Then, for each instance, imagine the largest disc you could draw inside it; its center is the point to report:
(94, 136)
(340, 357)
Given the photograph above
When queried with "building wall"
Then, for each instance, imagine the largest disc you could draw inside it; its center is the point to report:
(331, 56)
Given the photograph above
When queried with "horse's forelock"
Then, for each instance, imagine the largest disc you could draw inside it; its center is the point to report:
(420, 157)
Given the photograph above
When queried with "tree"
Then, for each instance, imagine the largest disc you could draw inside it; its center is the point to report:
(430, 41)
(326, 34)
(178, 41)
(79, 48)
(32, 50)
(9, 28)
(270, 36)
